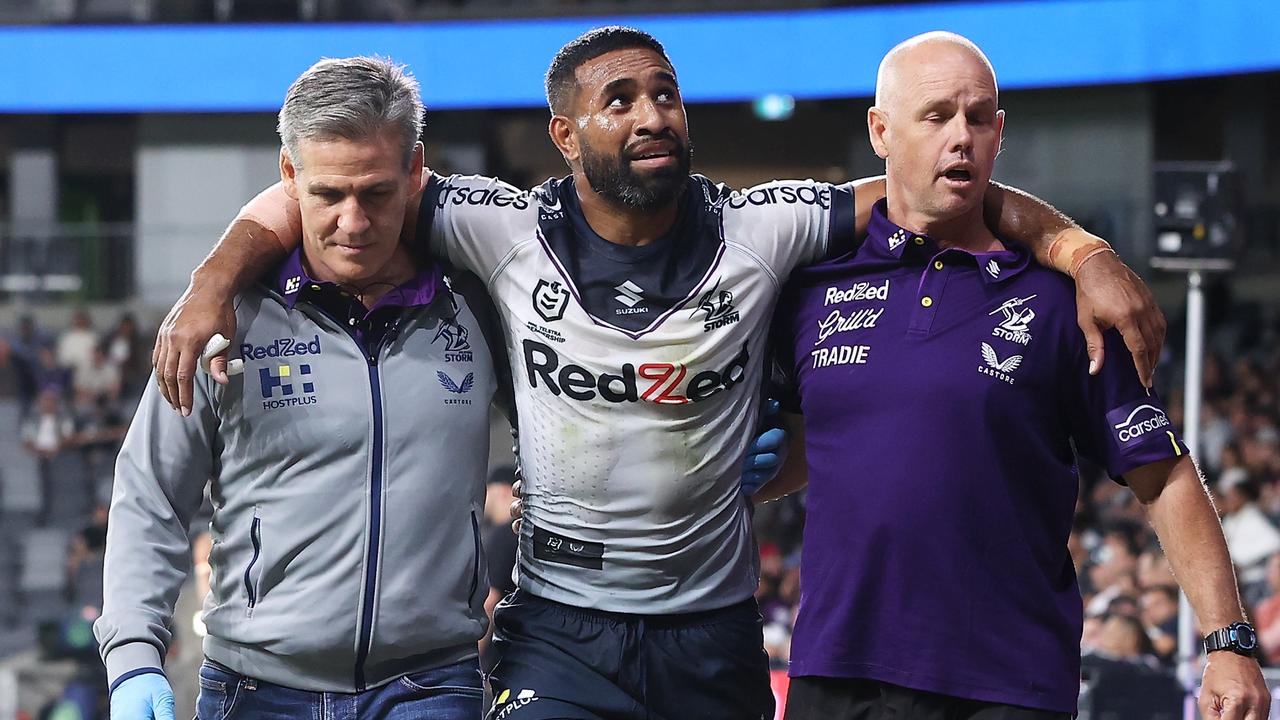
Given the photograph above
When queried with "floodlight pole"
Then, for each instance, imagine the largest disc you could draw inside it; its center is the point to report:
(1188, 637)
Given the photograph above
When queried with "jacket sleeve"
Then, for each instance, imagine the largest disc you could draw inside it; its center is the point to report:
(160, 476)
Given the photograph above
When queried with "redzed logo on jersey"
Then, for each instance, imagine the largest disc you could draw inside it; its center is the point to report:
(665, 381)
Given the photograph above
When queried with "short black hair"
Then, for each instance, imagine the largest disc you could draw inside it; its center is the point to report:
(562, 81)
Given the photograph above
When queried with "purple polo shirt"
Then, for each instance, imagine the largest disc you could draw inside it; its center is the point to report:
(941, 393)
(293, 282)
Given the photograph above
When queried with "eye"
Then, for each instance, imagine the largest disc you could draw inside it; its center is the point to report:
(617, 101)
(666, 96)
(328, 197)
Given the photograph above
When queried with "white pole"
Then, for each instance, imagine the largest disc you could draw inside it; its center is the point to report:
(8, 694)
(1188, 636)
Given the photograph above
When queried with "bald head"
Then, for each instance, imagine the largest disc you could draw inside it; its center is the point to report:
(907, 57)
(937, 123)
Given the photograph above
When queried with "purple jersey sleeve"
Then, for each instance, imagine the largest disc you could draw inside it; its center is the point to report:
(1115, 421)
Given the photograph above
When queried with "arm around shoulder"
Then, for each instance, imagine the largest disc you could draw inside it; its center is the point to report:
(266, 230)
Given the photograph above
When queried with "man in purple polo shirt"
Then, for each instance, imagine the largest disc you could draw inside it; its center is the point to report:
(942, 382)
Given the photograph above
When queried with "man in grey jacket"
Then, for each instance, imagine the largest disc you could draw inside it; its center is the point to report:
(346, 464)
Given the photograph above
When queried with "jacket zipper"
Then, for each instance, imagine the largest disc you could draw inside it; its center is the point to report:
(255, 537)
(375, 525)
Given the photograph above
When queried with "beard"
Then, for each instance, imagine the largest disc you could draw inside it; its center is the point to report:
(612, 178)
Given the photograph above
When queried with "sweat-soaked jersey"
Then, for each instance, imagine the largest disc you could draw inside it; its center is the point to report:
(637, 376)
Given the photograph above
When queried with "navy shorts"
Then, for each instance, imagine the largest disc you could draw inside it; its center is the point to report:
(567, 663)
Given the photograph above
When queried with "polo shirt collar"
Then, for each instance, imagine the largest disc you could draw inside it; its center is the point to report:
(888, 241)
(293, 282)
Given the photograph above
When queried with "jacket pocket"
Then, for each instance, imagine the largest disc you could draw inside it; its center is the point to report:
(479, 555)
(255, 537)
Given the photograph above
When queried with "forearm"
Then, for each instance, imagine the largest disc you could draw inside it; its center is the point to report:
(245, 251)
(794, 475)
(159, 480)
(264, 232)
(1055, 239)
(1189, 530)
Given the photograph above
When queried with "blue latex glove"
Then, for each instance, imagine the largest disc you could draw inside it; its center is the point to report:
(143, 697)
(766, 452)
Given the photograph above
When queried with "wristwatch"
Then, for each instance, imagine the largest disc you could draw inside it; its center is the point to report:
(1238, 637)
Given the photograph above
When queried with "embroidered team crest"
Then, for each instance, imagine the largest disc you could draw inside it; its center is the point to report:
(457, 346)
(550, 298)
(719, 308)
(1016, 325)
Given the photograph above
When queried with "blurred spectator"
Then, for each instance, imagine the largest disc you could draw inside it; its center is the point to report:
(24, 357)
(75, 347)
(99, 380)
(84, 561)
(1267, 614)
(1160, 616)
(1116, 561)
(1154, 570)
(45, 433)
(1122, 637)
(129, 352)
(1251, 536)
(49, 374)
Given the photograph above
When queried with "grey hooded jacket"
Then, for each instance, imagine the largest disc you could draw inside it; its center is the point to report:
(347, 486)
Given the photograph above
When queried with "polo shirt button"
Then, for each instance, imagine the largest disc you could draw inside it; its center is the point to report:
(919, 240)
(926, 301)
(937, 264)
(351, 321)
(315, 287)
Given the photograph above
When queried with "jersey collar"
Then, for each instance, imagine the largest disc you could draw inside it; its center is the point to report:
(888, 241)
(293, 282)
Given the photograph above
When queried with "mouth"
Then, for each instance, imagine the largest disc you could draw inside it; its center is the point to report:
(352, 249)
(959, 174)
(653, 155)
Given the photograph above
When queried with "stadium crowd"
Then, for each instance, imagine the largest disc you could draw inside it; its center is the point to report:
(75, 389)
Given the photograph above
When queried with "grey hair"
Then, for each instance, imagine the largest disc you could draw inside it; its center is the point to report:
(351, 98)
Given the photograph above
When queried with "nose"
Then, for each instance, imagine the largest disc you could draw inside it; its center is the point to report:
(352, 218)
(651, 118)
(961, 134)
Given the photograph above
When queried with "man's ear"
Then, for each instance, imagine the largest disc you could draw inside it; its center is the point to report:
(878, 131)
(288, 174)
(562, 134)
(416, 167)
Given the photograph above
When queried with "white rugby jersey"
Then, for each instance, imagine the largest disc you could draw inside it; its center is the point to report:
(637, 376)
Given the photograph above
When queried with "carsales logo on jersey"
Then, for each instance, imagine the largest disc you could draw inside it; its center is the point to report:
(658, 382)
(783, 194)
(491, 196)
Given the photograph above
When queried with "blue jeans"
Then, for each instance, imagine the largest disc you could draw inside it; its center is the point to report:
(452, 692)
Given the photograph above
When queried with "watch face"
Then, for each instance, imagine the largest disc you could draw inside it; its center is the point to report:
(1246, 638)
